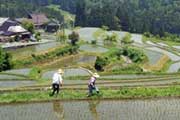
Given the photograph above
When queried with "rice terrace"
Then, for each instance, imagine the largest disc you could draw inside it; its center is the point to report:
(89, 60)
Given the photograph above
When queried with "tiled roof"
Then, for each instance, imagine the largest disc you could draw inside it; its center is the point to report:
(39, 19)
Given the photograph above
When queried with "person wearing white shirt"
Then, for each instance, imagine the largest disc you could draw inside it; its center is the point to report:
(57, 81)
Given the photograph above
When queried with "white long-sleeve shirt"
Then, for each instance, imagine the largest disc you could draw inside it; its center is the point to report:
(57, 78)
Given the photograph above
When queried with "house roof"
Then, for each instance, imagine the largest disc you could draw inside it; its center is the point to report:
(16, 29)
(2, 20)
(39, 19)
(4, 27)
(20, 20)
(8, 33)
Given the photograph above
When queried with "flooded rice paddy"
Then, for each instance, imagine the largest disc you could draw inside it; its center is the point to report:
(9, 77)
(67, 73)
(26, 51)
(24, 71)
(16, 83)
(126, 76)
(157, 109)
(95, 49)
(153, 56)
(172, 56)
(174, 67)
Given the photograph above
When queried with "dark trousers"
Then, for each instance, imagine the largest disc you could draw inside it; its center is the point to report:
(55, 88)
(91, 88)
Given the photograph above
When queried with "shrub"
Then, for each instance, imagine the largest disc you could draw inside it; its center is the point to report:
(94, 42)
(38, 36)
(5, 60)
(127, 39)
(134, 54)
(100, 63)
(111, 39)
(74, 37)
(28, 25)
(147, 34)
(35, 73)
(131, 68)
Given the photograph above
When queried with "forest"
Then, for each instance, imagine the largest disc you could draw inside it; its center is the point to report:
(137, 16)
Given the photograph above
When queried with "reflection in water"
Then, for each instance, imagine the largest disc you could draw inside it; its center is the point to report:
(58, 110)
(155, 109)
(92, 107)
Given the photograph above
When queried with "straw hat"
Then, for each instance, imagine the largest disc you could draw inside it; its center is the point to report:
(60, 71)
(96, 75)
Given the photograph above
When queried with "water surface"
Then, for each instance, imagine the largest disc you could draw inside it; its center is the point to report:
(159, 109)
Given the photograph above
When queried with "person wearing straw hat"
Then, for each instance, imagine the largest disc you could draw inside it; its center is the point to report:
(57, 81)
(92, 82)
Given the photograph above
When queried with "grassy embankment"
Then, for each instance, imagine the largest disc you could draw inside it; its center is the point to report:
(170, 39)
(36, 59)
(124, 93)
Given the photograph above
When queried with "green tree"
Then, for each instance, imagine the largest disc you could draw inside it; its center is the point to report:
(38, 36)
(5, 60)
(28, 25)
(74, 37)
(127, 39)
(111, 39)
(100, 63)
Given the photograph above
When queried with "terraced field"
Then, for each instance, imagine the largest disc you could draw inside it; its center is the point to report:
(155, 109)
(15, 78)
(110, 82)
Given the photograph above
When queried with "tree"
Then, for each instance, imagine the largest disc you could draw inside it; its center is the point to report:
(74, 37)
(5, 60)
(127, 39)
(111, 39)
(38, 36)
(28, 25)
(100, 63)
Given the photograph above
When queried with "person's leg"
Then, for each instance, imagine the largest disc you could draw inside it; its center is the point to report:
(54, 89)
(90, 90)
(57, 89)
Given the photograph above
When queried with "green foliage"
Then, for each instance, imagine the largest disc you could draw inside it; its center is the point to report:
(127, 39)
(74, 37)
(147, 34)
(131, 68)
(168, 38)
(105, 28)
(136, 55)
(114, 55)
(35, 73)
(139, 92)
(28, 25)
(38, 36)
(100, 63)
(111, 39)
(154, 16)
(61, 36)
(5, 60)
(94, 42)
(43, 57)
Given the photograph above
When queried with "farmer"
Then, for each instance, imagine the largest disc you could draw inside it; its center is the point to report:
(57, 81)
(92, 82)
